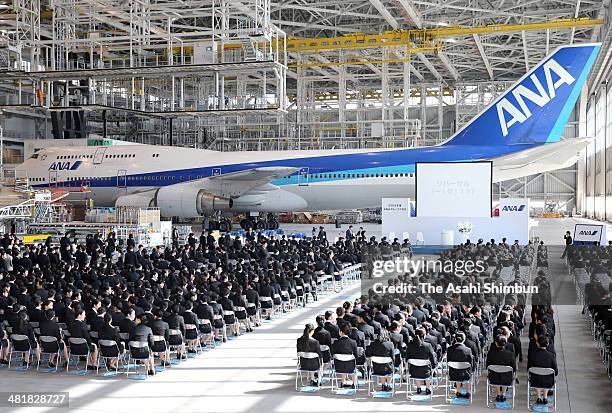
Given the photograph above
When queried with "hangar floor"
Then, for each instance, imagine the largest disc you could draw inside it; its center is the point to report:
(255, 372)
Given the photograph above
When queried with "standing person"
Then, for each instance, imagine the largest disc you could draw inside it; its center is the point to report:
(349, 233)
(568, 241)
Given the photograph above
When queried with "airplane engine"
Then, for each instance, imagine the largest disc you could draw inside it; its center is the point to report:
(187, 201)
(139, 200)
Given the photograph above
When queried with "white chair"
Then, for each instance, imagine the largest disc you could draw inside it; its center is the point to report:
(459, 366)
(378, 364)
(543, 372)
(413, 379)
(500, 370)
(344, 364)
(419, 238)
(303, 370)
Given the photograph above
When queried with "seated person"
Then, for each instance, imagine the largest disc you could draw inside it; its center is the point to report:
(307, 344)
(539, 356)
(420, 349)
(500, 356)
(459, 352)
(382, 347)
(345, 345)
(49, 327)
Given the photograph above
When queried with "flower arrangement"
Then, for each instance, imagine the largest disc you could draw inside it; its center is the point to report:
(465, 227)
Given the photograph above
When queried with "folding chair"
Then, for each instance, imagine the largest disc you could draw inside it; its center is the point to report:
(77, 347)
(241, 316)
(139, 352)
(176, 343)
(455, 368)
(49, 346)
(542, 372)
(266, 307)
(108, 350)
(377, 367)
(300, 298)
(303, 368)
(231, 324)
(495, 368)
(284, 296)
(20, 344)
(206, 335)
(344, 364)
(219, 326)
(326, 359)
(160, 347)
(412, 379)
(253, 314)
(277, 302)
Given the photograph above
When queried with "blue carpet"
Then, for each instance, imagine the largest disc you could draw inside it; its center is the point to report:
(345, 392)
(460, 402)
(110, 374)
(80, 372)
(309, 389)
(22, 368)
(540, 408)
(382, 394)
(420, 398)
(139, 377)
(503, 405)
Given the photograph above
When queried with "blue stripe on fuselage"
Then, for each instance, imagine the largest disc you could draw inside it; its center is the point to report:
(382, 162)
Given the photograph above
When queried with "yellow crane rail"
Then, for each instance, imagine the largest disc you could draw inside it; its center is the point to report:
(425, 37)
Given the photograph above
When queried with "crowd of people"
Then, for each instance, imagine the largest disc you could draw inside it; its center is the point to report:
(101, 289)
(475, 328)
(591, 265)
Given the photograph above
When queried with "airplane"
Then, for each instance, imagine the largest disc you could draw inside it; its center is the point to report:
(520, 132)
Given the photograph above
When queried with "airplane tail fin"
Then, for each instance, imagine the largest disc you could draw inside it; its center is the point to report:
(537, 107)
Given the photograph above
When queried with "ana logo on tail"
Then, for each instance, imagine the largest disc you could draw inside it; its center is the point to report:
(541, 96)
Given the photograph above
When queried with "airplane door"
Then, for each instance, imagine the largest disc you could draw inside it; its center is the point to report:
(303, 177)
(121, 178)
(99, 155)
(53, 179)
(216, 171)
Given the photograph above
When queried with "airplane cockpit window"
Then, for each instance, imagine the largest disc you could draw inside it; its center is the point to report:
(34, 156)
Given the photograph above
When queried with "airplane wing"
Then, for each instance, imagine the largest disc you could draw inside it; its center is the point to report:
(543, 158)
(247, 182)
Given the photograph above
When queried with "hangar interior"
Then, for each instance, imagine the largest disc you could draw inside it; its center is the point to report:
(268, 75)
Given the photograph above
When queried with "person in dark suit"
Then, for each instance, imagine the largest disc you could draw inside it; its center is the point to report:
(23, 327)
(499, 355)
(345, 345)
(159, 328)
(126, 325)
(50, 328)
(78, 329)
(307, 344)
(364, 327)
(420, 349)
(330, 324)
(109, 332)
(321, 334)
(541, 357)
(382, 347)
(144, 334)
(459, 352)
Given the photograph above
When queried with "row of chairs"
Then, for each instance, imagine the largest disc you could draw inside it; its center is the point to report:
(601, 335)
(375, 369)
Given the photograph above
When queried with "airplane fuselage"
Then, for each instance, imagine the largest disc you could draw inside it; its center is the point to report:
(327, 180)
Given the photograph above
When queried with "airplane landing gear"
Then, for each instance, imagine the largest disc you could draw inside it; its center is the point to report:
(219, 223)
(270, 222)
